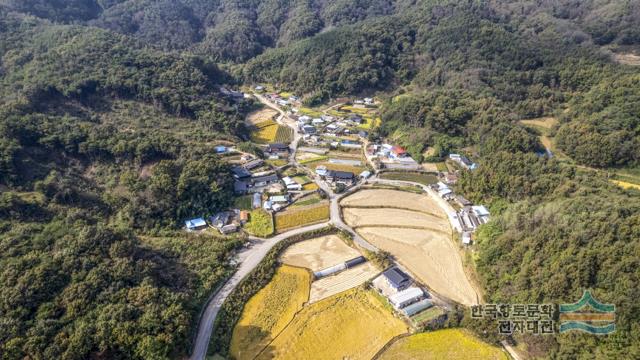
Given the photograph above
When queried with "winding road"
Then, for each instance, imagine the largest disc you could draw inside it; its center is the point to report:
(249, 258)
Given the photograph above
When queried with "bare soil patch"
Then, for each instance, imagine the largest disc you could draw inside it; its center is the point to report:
(543, 122)
(627, 59)
(319, 253)
(262, 115)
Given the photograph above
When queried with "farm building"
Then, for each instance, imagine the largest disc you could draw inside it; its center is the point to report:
(344, 177)
(220, 149)
(466, 238)
(220, 219)
(308, 129)
(257, 200)
(363, 134)
(365, 174)
(330, 270)
(279, 199)
(240, 172)
(276, 148)
(321, 170)
(240, 187)
(267, 205)
(406, 297)
(463, 161)
(397, 152)
(396, 278)
(415, 308)
(481, 213)
(244, 216)
(291, 184)
(304, 119)
(195, 224)
(228, 229)
(265, 180)
(462, 201)
(443, 190)
(450, 178)
(355, 262)
(253, 164)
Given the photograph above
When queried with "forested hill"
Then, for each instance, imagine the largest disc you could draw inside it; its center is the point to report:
(104, 150)
(237, 30)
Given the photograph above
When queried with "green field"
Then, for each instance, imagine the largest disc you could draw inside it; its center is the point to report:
(260, 223)
(243, 202)
(442, 344)
(424, 179)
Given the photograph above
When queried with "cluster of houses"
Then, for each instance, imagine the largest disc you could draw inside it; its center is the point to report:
(468, 218)
(399, 288)
(346, 178)
(391, 157)
(234, 95)
(281, 101)
(249, 180)
(327, 125)
(225, 222)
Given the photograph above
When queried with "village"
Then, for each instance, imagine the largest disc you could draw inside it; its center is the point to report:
(311, 164)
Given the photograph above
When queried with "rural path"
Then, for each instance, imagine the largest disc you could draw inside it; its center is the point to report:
(249, 259)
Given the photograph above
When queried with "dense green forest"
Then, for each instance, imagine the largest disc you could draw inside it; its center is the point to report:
(109, 110)
(103, 153)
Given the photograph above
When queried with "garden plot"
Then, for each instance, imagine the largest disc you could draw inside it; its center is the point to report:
(419, 241)
(343, 281)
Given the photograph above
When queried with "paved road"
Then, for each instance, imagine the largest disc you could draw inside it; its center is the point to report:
(248, 258)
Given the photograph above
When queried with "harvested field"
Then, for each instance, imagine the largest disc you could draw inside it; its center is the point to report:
(284, 134)
(420, 238)
(385, 217)
(391, 198)
(307, 156)
(269, 311)
(351, 325)
(421, 178)
(343, 281)
(319, 253)
(260, 116)
(430, 255)
(442, 344)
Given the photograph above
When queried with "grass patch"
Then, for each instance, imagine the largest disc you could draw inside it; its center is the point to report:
(421, 178)
(269, 311)
(243, 202)
(260, 223)
(442, 344)
(313, 160)
(302, 179)
(299, 217)
(626, 185)
(351, 325)
(276, 162)
(427, 315)
(442, 166)
(310, 186)
(307, 200)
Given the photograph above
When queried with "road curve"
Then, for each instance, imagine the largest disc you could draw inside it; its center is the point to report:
(249, 259)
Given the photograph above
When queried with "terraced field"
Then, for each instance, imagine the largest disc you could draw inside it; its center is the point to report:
(418, 235)
(268, 312)
(300, 216)
(442, 344)
(352, 325)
